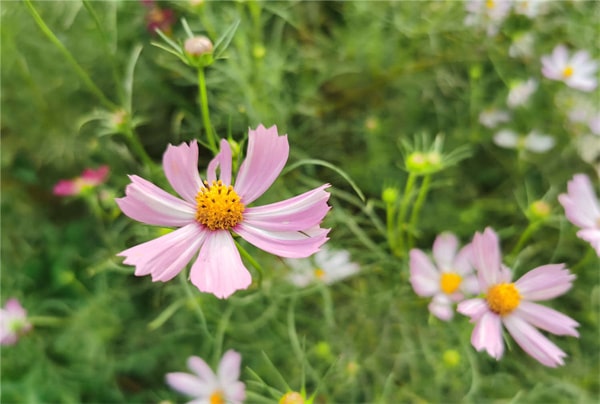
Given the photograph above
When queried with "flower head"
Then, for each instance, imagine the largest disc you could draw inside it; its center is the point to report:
(490, 118)
(448, 280)
(487, 13)
(512, 304)
(577, 71)
(533, 142)
(582, 208)
(522, 45)
(13, 322)
(207, 387)
(90, 178)
(211, 210)
(520, 92)
(327, 266)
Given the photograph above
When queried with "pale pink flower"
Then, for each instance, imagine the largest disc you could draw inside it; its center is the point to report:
(531, 8)
(520, 92)
(577, 71)
(210, 212)
(533, 142)
(522, 45)
(327, 266)
(13, 322)
(90, 178)
(512, 304)
(582, 208)
(448, 280)
(205, 387)
(487, 13)
(490, 118)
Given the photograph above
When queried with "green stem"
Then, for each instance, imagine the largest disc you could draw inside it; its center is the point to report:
(46, 321)
(196, 306)
(414, 217)
(203, 100)
(390, 211)
(136, 145)
(78, 69)
(406, 197)
(524, 237)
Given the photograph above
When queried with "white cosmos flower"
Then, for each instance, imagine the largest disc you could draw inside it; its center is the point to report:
(521, 92)
(327, 266)
(577, 71)
(534, 141)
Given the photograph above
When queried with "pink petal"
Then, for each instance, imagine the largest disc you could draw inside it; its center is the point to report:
(295, 214)
(66, 188)
(582, 83)
(186, 384)
(487, 335)
(219, 269)
(165, 256)
(470, 285)
(424, 276)
(236, 392)
(267, 154)
(592, 236)
(180, 164)
(229, 367)
(545, 282)
(203, 371)
(463, 261)
(444, 250)
(486, 257)
(287, 244)
(547, 319)
(473, 308)
(581, 191)
(533, 342)
(441, 307)
(223, 161)
(147, 203)
(14, 308)
(560, 55)
(95, 177)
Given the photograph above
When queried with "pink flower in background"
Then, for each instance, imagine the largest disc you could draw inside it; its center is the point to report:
(207, 387)
(448, 280)
(158, 18)
(88, 179)
(512, 304)
(577, 71)
(209, 212)
(13, 322)
(582, 208)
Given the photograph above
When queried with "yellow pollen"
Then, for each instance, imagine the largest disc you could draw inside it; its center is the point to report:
(449, 282)
(567, 72)
(218, 206)
(319, 273)
(217, 398)
(490, 4)
(503, 298)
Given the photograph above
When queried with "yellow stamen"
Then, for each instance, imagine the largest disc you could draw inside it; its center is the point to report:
(217, 398)
(503, 298)
(567, 72)
(319, 273)
(449, 282)
(218, 206)
(490, 4)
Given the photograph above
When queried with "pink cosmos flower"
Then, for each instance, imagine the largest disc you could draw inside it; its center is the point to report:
(13, 322)
(159, 18)
(512, 304)
(577, 71)
(207, 387)
(210, 211)
(582, 208)
(448, 280)
(88, 179)
(487, 13)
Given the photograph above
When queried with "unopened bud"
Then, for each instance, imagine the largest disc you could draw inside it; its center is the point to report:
(389, 195)
(451, 358)
(198, 45)
(539, 209)
(292, 397)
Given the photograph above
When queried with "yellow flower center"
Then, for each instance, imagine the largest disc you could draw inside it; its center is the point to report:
(217, 398)
(490, 4)
(319, 273)
(449, 282)
(292, 397)
(503, 298)
(218, 206)
(567, 72)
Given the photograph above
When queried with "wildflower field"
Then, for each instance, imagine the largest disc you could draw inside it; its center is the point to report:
(300, 201)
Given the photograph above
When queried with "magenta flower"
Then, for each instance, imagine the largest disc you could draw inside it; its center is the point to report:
(13, 322)
(448, 280)
(88, 179)
(209, 212)
(512, 304)
(207, 387)
(577, 71)
(159, 18)
(582, 208)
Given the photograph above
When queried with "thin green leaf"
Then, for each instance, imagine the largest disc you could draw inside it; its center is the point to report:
(129, 72)
(223, 42)
(186, 28)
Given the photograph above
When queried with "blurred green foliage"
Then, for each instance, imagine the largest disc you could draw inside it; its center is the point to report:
(348, 81)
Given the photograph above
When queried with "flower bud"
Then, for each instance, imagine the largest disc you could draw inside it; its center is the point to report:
(389, 195)
(198, 45)
(539, 209)
(292, 397)
(451, 358)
